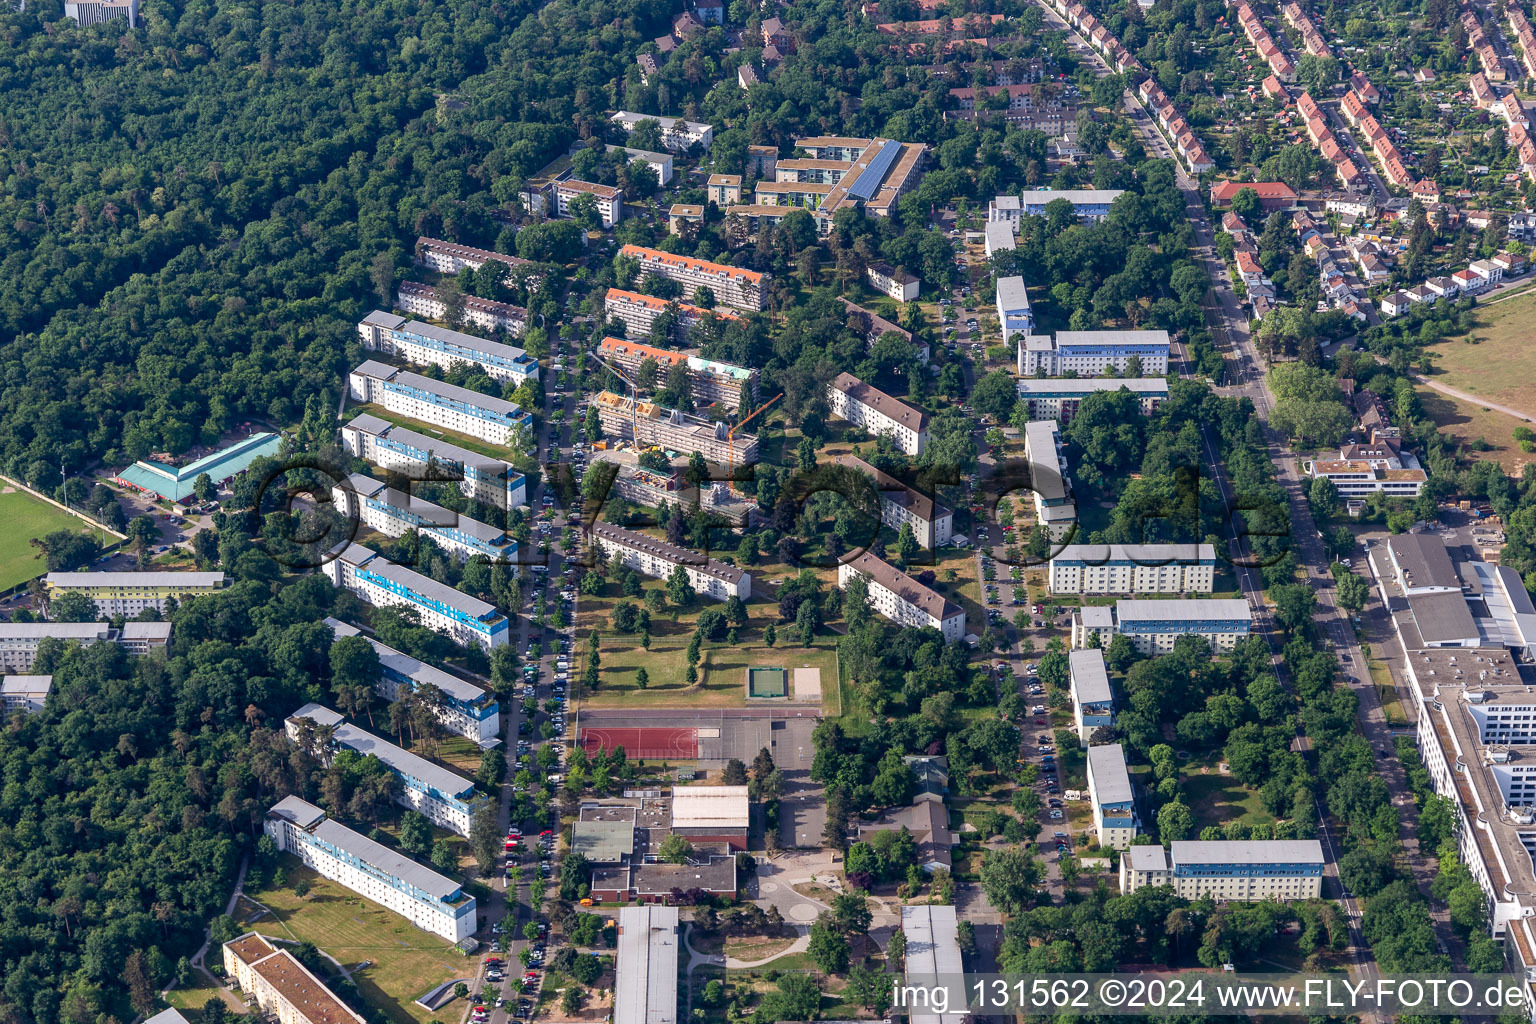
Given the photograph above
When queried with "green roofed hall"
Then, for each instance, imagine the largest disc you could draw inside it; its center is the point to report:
(176, 483)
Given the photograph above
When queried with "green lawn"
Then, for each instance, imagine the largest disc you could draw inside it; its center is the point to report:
(721, 672)
(1218, 799)
(407, 961)
(28, 518)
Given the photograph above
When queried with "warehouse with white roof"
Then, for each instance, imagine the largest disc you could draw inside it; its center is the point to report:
(645, 977)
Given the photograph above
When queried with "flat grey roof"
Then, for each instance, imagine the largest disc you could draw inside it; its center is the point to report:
(377, 368)
(1252, 851)
(441, 592)
(1183, 610)
(388, 321)
(1088, 385)
(436, 515)
(452, 392)
(469, 341)
(933, 951)
(1045, 472)
(26, 685)
(1147, 858)
(1442, 617)
(86, 580)
(1423, 557)
(436, 446)
(999, 235)
(1141, 554)
(1077, 196)
(64, 630)
(1090, 679)
(369, 422)
(645, 978)
(1097, 616)
(146, 631)
(403, 761)
(1011, 293)
(367, 486)
(412, 668)
(297, 810)
(385, 860)
(603, 842)
(717, 874)
(1106, 765)
(1065, 338)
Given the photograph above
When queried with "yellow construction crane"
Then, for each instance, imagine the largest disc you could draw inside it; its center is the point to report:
(730, 438)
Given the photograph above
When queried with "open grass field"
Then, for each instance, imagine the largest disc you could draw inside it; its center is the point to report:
(1386, 693)
(406, 960)
(721, 672)
(1494, 359)
(26, 519)
(1217, 799)
(192, 999)
(1467, 422)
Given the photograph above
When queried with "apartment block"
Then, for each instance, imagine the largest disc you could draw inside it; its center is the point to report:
(423, 300)
(451, 257)
(384, 584)
(1115, 821)
(651, 488)
(430, 901)
(648, 424)
(932, 524)
(99, 12)
(1013, 311)
(877, 412)
(1058, 398)
(420, 457)
(281, 987)
(874, 327)
(19, 641)
(24, 693)
(804, 194)
(1154, 626)
(447, 798)
(1134, 569)
(431, 401)
(709, 577)
(609, 200)
(465, 708)
(724, 189)
(734, 286)
(395, 513)
(1088, 204)
(1050, 487)
(640, 313)
(998, 237)
(888, 280)
(1093, 702)
(711, 382)
(426, 345)
(1093, 353)
(896, 596)
(129, 593)
(677, 134)
(661, 163)
(1246, 871)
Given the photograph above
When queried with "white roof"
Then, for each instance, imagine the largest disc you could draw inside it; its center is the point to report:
(1077, 196)
(710, 807)
(1252, 851)
(86, 580)
(933, 955)
(1146, 858)
(1106, 767)
(1066, 338)
(999, 235)
(1084, 385)
(1183, 610)
(1011, 293)
(1090, 681)
(645, 979)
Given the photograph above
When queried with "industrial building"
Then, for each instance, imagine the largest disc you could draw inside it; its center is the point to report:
(129, 593)
(645, 975)
(932, 524)
(281, 987)
(464, 709)
(416, 455)
(1115, 821)
(1093, 702)
(426, 345)
(383, 584)
(1058, 398)
(651, 425)
(19, 640)
(1133, 569)
(395, 513)
(709, 577)
(1091, 353)
(1247, 871)
(1154, 626)
(432, 401)
(394, 881)
(448, 799)
(878, 413)
(898, 597)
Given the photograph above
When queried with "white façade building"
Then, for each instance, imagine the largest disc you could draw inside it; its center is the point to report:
(19, 641)
(888, 280)
(657, 559)
(1093, 702)
(283, 989)
(677, 134)
(465, 708)
(420, 299)
(423, 897)
(999, 238)
(1134, 569)
(448, 799)
(1050, 487)
(383, 584)
(900, 598)
(1091, 353)
(451, 257)
(1089, 204)
(1013, 311)
(1058, 398)
(420, 457)
(1154, 626)
(1114, 803)
(877, 412)
(395, 513)
(431, 401)
(426, 345)
(1246, 871)
(608, 200)
(129, 593)
(932, 524)
(24, 693)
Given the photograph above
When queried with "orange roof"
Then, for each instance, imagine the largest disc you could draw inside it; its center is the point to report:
(251, 948)
(652, 302)
(620, 347)
(302, 991)
(643, 254)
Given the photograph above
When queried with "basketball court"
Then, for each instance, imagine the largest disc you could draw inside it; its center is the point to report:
(708, 737)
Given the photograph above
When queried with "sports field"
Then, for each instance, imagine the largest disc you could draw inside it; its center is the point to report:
(721, 673)
(767, 682)
(406, 961)
(1493, 360)
(26, 518)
